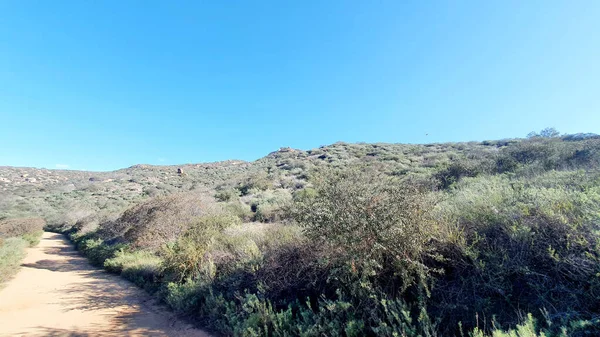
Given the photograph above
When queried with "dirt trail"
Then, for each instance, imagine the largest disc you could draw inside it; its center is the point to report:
(58, 293)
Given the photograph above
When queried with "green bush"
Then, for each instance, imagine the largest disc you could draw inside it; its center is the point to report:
(524, 243)
(187, 257)
(256, 182)
(95, 249)
(12, 251)
(33, 238)
(227, 195)
(182, 297)
(15, 236)
(240, 210)
(141, 267)
(304, 194)
(270, 206)
(530, 328)
(370, 221)
(458, 169)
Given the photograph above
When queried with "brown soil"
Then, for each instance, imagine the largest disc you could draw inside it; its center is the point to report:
(58, 293)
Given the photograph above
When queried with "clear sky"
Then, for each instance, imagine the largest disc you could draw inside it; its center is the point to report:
(102, 85)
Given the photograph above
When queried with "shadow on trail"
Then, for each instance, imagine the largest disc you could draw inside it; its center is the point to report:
(69, 265)
(132, 311)
(99, 331)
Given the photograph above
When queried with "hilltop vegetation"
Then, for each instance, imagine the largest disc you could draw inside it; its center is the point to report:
(472, 239)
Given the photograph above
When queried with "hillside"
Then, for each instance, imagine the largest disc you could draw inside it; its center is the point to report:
(348, 239)
(66, 195)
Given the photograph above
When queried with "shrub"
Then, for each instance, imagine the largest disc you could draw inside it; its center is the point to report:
(233, 254)
(187, 257)
(33, 239)
(240, 210)
(530, 328)
(95, 249)
(296, 270)
(519, 244)
(371, 220)
(141, 267)
(227, 195)
(270, 206)
(20, 226)
(12, 251)
(540, 154)
(182, 298)
(159, 220)
(304, 194)
(257, 182)
(458, 169)
(87, 224)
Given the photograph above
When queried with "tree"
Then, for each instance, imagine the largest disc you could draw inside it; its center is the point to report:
(545, 133)
(549, 133)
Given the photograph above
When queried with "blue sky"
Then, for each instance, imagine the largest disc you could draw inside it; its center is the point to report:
(107, 84)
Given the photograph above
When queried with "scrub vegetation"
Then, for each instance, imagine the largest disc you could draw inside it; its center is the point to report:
(493, 238)
(16, 235)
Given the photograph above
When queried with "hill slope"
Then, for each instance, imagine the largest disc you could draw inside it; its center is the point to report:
(66, 195)
(348, 239)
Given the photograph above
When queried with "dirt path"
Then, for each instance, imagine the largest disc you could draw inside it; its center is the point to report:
(58, 293)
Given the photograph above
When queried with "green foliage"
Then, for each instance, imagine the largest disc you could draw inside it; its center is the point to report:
(15, 236)
(187, 257)
(240, 210)
(227, 195)
(456, 239)
(372, 220)
(141, 267)
(12, 251)
(539, 154)
(460, 168)
(304, 194)
(182, 297)
(255, 182)
(33, 239)
(95, 249)
(530, 328)
(270, 206)
(520, 243)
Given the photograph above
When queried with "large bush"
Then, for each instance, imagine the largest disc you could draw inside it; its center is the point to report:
(188, 257)
(159, 220)
(371, 221)
(520, 245)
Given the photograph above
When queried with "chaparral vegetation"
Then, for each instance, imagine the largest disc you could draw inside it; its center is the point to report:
(493, 238)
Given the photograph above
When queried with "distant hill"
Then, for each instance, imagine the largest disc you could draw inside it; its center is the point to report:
(66, 195)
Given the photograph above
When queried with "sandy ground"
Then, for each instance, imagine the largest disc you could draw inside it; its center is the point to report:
(58, 293)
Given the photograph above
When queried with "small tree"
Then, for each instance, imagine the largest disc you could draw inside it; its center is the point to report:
(549, 133)
(545, 133)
